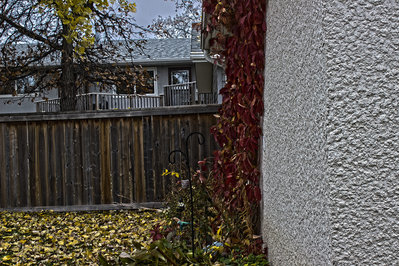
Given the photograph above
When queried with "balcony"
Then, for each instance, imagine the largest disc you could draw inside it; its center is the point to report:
(174, 95)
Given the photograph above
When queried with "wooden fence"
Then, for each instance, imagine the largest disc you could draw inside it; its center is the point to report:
(95, 158)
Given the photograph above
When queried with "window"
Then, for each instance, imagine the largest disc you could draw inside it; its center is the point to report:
(143, 83)
(21, 86)
(179, 76)
(26, 85)
(8, 87)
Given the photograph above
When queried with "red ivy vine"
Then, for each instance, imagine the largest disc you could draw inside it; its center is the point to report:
(240, 41)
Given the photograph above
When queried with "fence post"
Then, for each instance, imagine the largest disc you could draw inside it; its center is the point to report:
(161, 99)
(97, 101)
(166, 95)
(192, 93)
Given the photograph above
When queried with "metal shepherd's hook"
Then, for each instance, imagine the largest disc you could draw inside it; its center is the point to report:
(186, 155)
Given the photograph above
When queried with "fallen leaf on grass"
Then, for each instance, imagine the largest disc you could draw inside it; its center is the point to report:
(71, 238)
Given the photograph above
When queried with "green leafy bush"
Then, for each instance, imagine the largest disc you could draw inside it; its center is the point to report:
(250, 260)
(179, 206)
(160, 252)
(217, 241)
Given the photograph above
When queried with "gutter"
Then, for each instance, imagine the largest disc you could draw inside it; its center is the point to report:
(163, 61)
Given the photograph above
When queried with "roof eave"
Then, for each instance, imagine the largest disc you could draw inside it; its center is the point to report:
(163, 61)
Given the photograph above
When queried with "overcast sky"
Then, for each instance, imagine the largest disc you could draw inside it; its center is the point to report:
(147, 10)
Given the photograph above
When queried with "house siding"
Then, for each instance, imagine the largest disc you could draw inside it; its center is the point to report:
(330, 156)
(23, 104)
(12, 105)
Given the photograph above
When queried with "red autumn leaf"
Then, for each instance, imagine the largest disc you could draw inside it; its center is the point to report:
(238, 132)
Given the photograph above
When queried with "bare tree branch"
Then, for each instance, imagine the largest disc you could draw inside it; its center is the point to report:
(27, 32)
(33, 45)
(179, 25)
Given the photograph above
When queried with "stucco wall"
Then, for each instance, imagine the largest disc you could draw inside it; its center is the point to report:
(362, 73)
(331, 133)
(295, 187)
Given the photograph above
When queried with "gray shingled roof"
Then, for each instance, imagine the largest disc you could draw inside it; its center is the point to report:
(154, 50)
(164, 49)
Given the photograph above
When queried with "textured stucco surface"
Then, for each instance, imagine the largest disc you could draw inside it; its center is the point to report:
(296, 220)
(362, 78)
(331, 133)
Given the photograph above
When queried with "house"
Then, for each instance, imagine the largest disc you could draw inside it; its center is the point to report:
(331, 144)
(176, 70)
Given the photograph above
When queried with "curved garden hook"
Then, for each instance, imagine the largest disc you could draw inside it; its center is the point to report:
(201, 138)
(186, 155)
(172, 160)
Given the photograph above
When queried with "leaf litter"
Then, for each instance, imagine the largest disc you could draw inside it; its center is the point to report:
(76, 238)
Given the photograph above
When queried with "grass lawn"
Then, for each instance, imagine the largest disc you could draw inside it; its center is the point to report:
(48, 238)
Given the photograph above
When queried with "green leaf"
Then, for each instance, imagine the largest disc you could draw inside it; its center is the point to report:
(102, 260)
(158, 255)
(137, 245)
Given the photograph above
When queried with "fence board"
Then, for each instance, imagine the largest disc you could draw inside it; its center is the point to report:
(157, 174)
(148, 150)
(86, 169)
(125, 163)
(22, 159)
(31, 163)
(3, 174)
(60, 164)
(69, 192)
(14, 180)
(114, 159)
(106, 186)
(37, 180)
(78, 186)
(132, 170)
(95, 161)
(88, 160)
(5, 169)
(138, 171)
(52, 166)
(42, 178)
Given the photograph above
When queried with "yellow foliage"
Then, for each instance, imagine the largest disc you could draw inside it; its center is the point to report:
(77, 16)
(172, 173)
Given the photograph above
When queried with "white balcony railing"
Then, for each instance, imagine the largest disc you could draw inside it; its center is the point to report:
(186, 94)
(110, 101)
(103, 101)
(174, 95)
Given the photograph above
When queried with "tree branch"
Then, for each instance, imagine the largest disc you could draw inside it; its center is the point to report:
(29, 33)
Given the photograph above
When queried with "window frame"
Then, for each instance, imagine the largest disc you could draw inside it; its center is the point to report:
(172, 69)
(154, 69)
(17, 89)
(134, 91)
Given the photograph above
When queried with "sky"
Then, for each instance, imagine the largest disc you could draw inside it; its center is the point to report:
(147, 10)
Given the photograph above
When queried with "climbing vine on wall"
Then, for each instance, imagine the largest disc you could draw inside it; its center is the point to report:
(240, 41)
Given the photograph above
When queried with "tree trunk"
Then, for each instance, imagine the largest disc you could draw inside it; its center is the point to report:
(67, 87)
